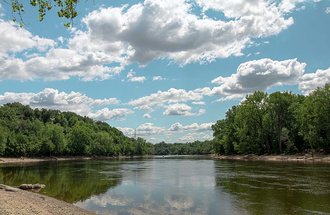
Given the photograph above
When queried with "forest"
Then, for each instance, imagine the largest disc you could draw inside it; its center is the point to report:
(39, 132)
(194, 148)
(277, 123)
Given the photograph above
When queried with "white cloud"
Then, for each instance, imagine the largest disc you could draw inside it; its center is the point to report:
(107, 114)
(53, 99)
(178, 109)
(169, 97)
(192, 127)
(188, 138)
(145, 130)
(132, 78)
(158, 78)
(258, 75)
(150, 131)
(287, 6)
(310, 81)
(157, 29)
(15, 39)
(327, 10)
(57, 64)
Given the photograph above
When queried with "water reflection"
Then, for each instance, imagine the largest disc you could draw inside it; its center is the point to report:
(163, 186)
(181, 186)
(68, 181)
(272, 188)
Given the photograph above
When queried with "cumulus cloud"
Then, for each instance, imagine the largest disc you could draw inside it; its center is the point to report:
(15, 39)
(258, 75)
(57, 64)
(310, 81)
(157, 29)
(107, 114)
(145, 130)
(73, 101)
(188, 138)
(170, 96)
(132, 78)
(178, 109)
(176, 132)
(115, 37)
(192, 127)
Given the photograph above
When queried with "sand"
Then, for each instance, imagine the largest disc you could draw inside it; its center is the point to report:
(26, 203)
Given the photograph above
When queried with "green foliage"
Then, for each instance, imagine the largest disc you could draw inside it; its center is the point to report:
(314, 119)
(277, 123)
(28, 132)
(65, 9)
(194, 148)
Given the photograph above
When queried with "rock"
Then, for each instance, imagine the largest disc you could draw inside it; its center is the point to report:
(11, 189)
(31, 186)
(25, 186)
(38, 186)
(2, 186)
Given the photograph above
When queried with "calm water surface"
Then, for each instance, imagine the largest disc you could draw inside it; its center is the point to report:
(181, 186)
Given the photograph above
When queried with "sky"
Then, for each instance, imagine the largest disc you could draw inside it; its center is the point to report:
(169, 69)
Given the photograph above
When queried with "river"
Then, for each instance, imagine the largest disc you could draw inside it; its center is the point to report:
(187, 185)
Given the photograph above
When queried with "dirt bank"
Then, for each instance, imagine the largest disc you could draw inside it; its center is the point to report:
(19, 202)
(307, 158)
(23, 160)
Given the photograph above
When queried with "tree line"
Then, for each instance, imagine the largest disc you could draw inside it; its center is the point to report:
(194, 148)
(40, 132)
(281, 122)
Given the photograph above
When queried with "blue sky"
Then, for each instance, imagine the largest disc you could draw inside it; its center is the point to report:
(168, 69)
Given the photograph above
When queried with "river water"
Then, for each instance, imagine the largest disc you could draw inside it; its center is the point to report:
(181, 185)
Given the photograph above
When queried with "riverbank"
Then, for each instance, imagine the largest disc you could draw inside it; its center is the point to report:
(26, 160)
(20, 202)
(23, 160)
(306, 158)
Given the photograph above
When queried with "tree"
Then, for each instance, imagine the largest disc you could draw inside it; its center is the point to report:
(80, 139)
(3, 140)
(65, 9)
(55, 139)
(314, 118)
(278, 108)
(250, 124)
(28, 132)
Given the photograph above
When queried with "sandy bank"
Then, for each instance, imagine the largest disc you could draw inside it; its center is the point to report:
(307, 158)
(34, 160)
(24, 160)
(26, 203)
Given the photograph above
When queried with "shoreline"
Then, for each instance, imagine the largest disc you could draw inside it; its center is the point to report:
(298, 158)
(16, 201)
(27, 160)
